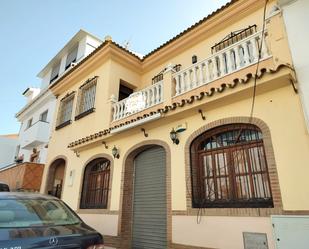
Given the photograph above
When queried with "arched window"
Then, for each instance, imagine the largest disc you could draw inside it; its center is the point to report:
(96, 184)
(229, 168)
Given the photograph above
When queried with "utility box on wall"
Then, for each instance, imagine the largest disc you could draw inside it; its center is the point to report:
(291, 231)
(255, 240)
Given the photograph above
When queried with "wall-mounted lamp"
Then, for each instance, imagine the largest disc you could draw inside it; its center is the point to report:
(76, 153)
(194, 59)
(115, 152)
(173, 135)
(105, 145)
(202, 114)
(144, 131)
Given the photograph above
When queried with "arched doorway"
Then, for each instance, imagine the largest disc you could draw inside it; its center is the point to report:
(145, 202)
(56, 178)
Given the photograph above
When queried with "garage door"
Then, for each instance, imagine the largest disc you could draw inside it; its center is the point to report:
(149, 200)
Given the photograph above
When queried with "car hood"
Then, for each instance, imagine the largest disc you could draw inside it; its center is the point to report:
(68, 236)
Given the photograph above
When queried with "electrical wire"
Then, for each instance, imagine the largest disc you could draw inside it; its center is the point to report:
(260, 46)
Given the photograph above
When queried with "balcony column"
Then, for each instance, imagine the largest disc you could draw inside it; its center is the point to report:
(264, 46)
(169, 85)
(229, 61)
(255, 49)
(177, 86)
(246, 53)
(207, 71)
(114, 109)
(237, 58)
(215, 68)
(183, 80)
(201, 76)
(194, 78)
(222, 66)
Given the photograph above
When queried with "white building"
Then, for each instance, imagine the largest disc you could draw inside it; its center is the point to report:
(295, 13)
(7, 149)
(36, 116)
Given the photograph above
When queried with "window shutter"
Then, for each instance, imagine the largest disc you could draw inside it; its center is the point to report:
(55, 72)
(71, 57)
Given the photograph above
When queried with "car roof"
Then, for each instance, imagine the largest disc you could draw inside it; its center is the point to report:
(25, 195)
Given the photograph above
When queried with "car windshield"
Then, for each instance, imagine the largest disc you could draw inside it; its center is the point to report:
(35, 212)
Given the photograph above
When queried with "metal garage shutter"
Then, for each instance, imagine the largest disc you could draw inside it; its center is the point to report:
(149, 211)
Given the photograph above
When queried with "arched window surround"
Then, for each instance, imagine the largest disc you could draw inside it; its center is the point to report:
(272, 167)
(229, 168)
(96, 181)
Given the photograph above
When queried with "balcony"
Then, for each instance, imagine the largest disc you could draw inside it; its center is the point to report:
(138, 101)
(35, 135)
(229, 60)
(223, 63)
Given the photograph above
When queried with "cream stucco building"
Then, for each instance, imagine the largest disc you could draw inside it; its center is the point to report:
(186, 147)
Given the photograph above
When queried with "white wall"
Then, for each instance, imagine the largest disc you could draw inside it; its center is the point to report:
(85, 46)
(91, 44)
(7, 151)
(219, 231)
(47, 102)
(296, 19)
(46, 79)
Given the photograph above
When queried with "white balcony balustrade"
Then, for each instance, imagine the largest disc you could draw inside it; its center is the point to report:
(138, 101)
(35, 135)
(229, 60)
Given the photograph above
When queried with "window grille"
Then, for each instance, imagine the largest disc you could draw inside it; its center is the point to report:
(234, 37)
(229, 168)
(159, 76)
(86, 98)
(65, 111)
(96, 184)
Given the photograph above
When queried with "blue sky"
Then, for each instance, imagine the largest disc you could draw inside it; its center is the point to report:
(33, 31)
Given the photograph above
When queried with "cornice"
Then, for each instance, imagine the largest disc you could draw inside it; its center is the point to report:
(110, 51)
(44, 96)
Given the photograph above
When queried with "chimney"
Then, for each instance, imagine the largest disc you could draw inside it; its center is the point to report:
(30, 93)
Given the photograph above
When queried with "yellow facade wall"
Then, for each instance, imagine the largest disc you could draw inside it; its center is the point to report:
(277, 105)
(280, 109)
(202, 49)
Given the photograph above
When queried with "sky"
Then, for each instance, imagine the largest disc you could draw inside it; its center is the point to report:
(33, 31)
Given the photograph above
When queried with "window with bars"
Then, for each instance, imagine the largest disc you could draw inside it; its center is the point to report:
(65, 111)
(86, 98)
(96, 184)
(234, 37)
(229, 168)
